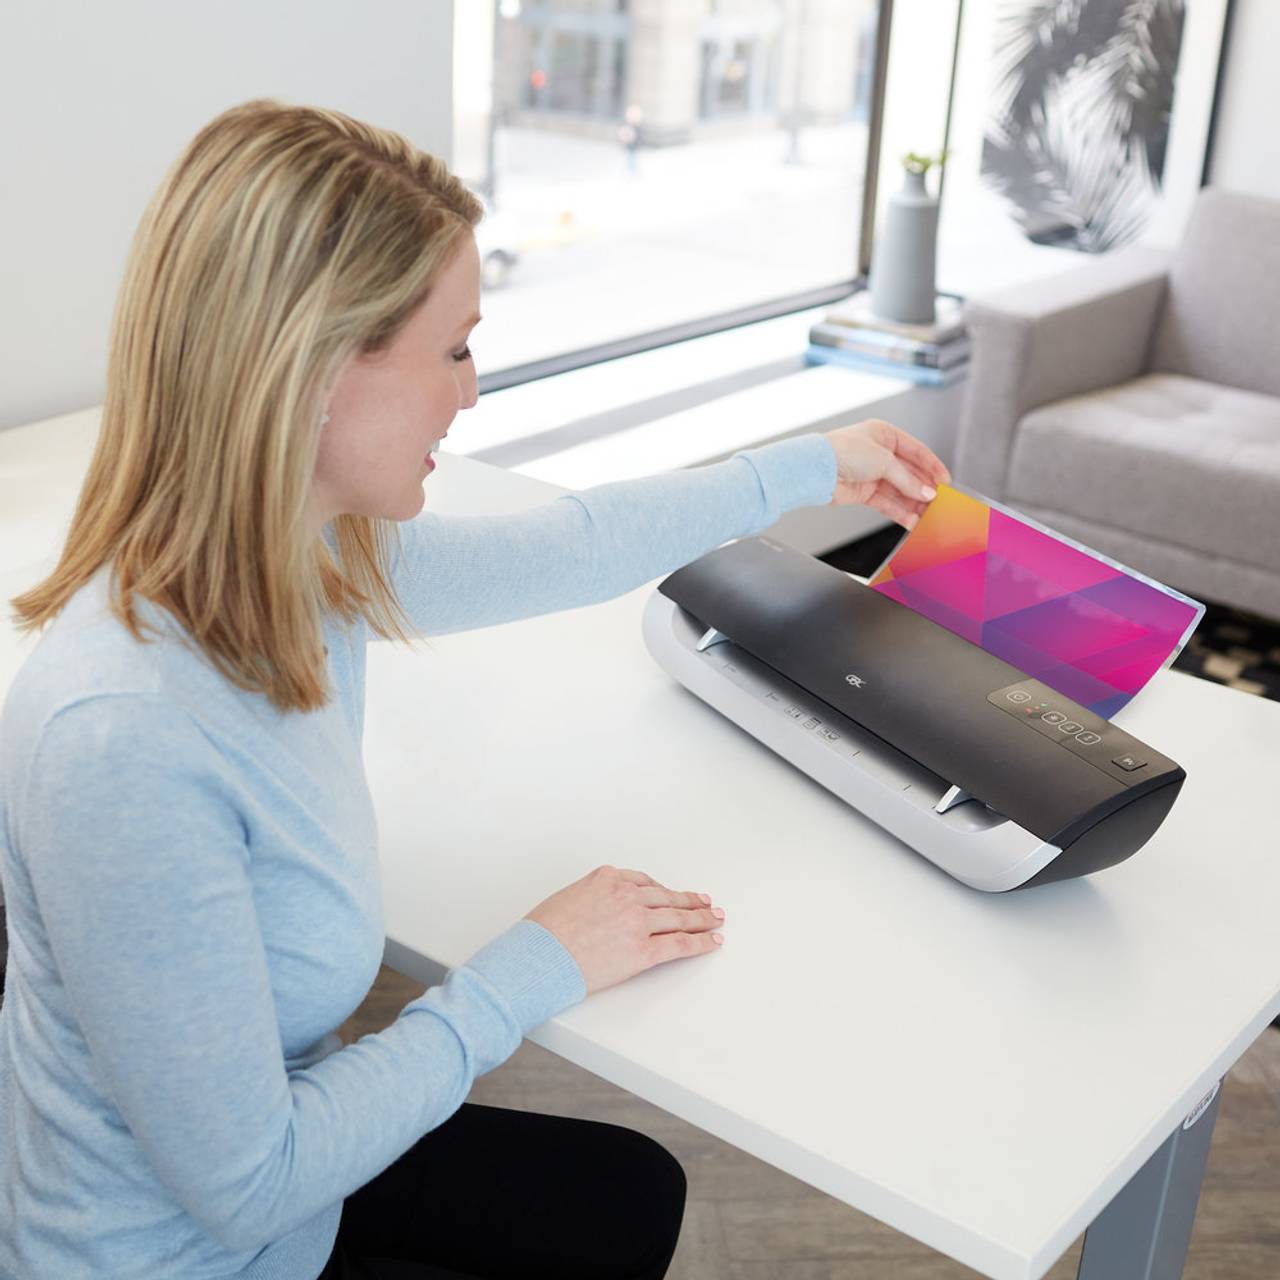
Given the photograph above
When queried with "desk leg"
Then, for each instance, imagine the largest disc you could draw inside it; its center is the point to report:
(1144, 1232)
(395, 955)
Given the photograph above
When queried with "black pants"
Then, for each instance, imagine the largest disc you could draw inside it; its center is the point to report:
(494, 1194)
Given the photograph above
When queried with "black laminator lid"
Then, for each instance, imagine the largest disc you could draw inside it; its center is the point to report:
(963, 713)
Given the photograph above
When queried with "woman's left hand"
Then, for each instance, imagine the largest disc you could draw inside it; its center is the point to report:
(890, 471)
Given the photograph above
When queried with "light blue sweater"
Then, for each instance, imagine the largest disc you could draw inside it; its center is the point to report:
(194, 906)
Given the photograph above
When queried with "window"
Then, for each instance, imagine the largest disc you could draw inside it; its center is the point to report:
(651, 164)
(735, 77)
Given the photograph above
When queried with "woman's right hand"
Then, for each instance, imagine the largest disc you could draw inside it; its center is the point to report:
(617, 923)
(887, 469)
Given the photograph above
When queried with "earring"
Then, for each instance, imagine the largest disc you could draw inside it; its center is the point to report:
(324, 419)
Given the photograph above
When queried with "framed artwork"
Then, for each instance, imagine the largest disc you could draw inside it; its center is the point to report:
(1082, 124)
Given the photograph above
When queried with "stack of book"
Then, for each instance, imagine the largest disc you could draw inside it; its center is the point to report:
(931, 354)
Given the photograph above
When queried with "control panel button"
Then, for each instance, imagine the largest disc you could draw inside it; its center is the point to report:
(1018, 695)
(1053, 717)
(1089, 739)
(1070, 726)
(1129, 763)
(812, 722)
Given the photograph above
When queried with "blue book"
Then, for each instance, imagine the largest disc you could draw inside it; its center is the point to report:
(923, 375)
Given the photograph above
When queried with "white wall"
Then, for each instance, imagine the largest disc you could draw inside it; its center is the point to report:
(98, 99)
(1246, 150)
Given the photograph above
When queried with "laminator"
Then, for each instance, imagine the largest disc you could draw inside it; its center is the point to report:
(991, 775)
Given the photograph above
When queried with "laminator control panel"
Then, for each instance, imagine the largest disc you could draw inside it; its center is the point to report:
(1095, 740)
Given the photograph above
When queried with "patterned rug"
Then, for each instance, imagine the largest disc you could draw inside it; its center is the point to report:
(1229, 646)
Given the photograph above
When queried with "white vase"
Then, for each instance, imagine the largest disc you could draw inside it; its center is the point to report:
(903, 263)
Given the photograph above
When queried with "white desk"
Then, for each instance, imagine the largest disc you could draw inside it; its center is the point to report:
(983, 1073)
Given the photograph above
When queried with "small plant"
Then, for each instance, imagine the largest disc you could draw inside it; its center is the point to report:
(914, 162)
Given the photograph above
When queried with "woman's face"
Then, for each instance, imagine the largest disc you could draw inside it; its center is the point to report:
(388, 409)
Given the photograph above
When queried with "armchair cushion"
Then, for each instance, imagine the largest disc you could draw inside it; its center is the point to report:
(1167, 457)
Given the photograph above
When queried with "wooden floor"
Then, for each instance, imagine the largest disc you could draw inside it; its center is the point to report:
(746, 1220)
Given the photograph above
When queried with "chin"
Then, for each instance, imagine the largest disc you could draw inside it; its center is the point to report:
(403, 506)
(415, 504)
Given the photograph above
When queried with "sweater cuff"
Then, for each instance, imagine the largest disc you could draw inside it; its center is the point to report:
(533, 971)
(797, 472)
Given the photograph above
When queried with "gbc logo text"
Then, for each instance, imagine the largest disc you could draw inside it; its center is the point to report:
(856, 681)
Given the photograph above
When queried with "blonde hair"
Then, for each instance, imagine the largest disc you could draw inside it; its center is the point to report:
(283, 240)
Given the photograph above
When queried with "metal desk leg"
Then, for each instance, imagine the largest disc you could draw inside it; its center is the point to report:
(1144, 1232)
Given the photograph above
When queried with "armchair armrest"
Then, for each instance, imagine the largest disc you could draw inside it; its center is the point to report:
(1041, 341)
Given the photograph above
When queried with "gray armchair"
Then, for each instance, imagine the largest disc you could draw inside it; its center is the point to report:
(1135, 404)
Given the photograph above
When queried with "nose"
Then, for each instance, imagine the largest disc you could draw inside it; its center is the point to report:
(468, 391)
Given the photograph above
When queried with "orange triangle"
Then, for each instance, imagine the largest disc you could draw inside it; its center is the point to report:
(953, 527)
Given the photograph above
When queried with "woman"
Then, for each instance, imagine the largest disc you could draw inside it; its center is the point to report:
(188, 846)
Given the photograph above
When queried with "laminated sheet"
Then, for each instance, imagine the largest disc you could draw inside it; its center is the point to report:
(1086, 625)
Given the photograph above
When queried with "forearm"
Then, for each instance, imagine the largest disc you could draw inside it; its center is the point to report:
(462, 572)
(354, 1112)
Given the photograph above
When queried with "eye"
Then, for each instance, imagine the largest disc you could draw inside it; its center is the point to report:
(464, 354)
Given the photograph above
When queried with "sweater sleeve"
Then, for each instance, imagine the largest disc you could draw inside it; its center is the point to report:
(139, 862)
(455, 573)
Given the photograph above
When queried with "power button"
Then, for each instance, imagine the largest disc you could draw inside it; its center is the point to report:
(1129, 763)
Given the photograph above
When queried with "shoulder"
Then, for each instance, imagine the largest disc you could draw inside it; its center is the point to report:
(110, 777)
(86, 669)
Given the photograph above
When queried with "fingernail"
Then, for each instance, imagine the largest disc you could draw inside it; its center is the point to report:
(706, 899)
(930, 493)
(717, 939)
(718, 912)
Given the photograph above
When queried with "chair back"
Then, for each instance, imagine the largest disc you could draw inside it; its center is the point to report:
(1222, 310)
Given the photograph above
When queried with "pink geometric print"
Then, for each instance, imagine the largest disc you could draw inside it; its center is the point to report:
(1081, 625)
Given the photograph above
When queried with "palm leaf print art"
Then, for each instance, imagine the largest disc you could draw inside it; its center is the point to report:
(1079, 124)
